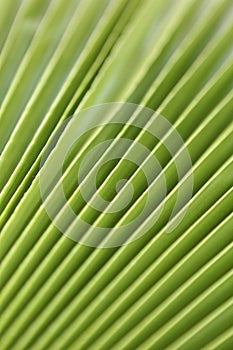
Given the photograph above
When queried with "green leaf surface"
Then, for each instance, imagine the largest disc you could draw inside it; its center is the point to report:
(156, 290)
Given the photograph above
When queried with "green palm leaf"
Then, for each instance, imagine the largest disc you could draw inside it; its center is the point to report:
(167, 61)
